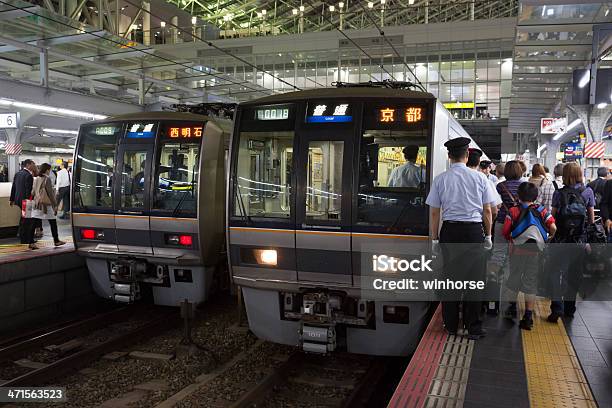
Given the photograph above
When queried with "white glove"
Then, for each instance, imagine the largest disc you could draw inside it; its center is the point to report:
(435, 246)
(488, 242)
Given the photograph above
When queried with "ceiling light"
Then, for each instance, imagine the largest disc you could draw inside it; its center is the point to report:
(341, 4)
(411, 2)
(302, 8)
(163, 24)
(550, 12)
(194, 20)
(382, 2)
(264, 12)
(332, 8)
(585, 79)
(294, 11)
(601, 105)
(51, 109)
(370, 4)
(68, 132)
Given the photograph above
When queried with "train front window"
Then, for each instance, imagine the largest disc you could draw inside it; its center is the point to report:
(176, 178)
(95, 162)
(393, 181)
(264, 171)
(324, 180)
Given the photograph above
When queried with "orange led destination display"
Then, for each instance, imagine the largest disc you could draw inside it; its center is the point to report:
(184, 132)
(408, 114)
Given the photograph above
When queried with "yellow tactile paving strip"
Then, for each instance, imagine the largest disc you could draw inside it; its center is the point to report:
(19, 248)
(554, 376)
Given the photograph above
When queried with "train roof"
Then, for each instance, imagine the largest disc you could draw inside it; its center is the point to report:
(224, 123)
(345, 92)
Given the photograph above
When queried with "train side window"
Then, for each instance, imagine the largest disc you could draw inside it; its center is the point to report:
(393, 182)
(263, 178)
(324, 180)
(95, 162)
(176, 179)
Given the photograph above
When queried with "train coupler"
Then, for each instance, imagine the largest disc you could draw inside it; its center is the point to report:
(317, 339)
(126, 292)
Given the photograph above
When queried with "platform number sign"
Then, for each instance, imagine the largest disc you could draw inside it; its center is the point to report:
(9, 120)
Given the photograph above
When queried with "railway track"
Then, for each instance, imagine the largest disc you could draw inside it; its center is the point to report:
(340, 380)
(76, 351)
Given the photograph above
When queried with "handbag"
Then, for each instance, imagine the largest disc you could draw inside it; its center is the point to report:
(27, 206)
(42, 198)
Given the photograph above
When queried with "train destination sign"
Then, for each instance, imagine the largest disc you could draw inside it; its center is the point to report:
(394, 114)
(184, 132)
(329, 112)
(141, 131)
(272, 113)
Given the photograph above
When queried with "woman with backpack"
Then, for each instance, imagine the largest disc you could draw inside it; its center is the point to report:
(45, 204)
(573, 207)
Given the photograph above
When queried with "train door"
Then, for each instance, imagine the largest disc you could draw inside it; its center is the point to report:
(323, 214)
(132, 194)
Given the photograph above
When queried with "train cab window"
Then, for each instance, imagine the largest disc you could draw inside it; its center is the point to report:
(95, 162)
(393, 181)
(324, 180)
(263, 178)
(176, 178)
(133, 179)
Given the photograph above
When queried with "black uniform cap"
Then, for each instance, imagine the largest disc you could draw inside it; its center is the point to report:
(457, 145)
(475, 152)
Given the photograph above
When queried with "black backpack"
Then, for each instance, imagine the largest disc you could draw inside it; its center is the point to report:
(572, 215)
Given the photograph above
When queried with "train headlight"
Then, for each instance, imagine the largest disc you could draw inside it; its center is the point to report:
(266, 256)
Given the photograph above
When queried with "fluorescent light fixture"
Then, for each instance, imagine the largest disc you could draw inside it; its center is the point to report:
(550, 12)
(539, 151)
(601, 105)
(570, 127)
(51, 109)
(543, 11)
(68, 132)
(585, 79)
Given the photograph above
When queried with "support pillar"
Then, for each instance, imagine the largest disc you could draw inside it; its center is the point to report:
(44, 67)
(174, 30)
(146, 23)
(141, 91)
(594, 120)
(13, 136)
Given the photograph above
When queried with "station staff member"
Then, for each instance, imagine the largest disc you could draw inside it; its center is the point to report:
(463, 197)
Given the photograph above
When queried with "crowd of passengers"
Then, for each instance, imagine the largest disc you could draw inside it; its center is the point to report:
(518, 218)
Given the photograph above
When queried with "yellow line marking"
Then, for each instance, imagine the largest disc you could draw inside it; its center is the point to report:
(554, 375)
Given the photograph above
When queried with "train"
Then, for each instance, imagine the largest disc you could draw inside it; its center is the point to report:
(148, 202)
(309, 196)
(291, 191)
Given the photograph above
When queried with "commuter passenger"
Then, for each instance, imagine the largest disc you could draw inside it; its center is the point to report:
(408, 174)
(599, 184)
(63, 190)
(461, 197)
(22, 190)
(572, 207)
(508, 190)
(527, 228)
(45, 204)
(538, 177)
(523, 171)
(473, 163)
(548, 189)
(549, 177)
(485, 168)
(499, 173)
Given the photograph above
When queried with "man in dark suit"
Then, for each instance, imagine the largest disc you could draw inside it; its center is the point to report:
(22, 190)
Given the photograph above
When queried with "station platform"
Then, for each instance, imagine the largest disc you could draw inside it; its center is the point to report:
(11, 250)
(565, 364)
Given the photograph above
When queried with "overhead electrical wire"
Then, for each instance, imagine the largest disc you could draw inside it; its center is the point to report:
(309, 2)
(152, 54)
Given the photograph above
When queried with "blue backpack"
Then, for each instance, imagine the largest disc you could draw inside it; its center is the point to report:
(530, 216)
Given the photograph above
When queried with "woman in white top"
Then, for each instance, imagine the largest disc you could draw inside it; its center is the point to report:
(45, 204)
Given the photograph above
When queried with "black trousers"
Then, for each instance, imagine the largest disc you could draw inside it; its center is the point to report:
(64, 197)
(26, 230)
(464, 259)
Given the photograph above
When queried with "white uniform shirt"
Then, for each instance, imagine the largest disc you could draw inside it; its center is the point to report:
(461, 193)
(63, 179)
(407, 175)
